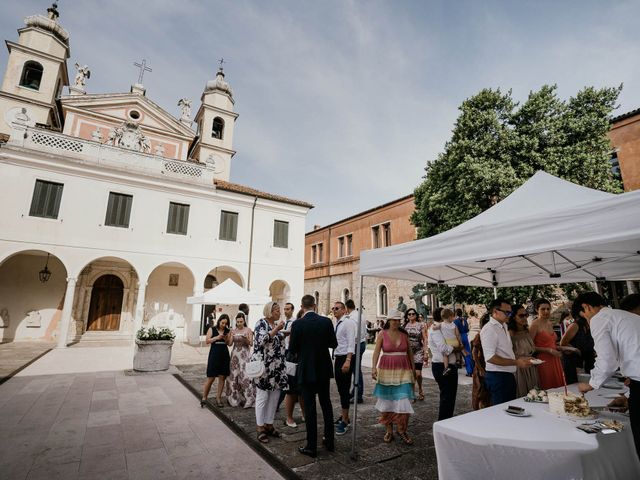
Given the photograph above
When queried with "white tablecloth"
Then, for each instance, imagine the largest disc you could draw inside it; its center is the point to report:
(490, 444)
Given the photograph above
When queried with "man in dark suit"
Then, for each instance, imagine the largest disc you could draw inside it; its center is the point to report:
(311, 338)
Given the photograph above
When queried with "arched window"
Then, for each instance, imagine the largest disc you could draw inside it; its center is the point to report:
(383, 304)
(346, 295)
(31, 75)
(210, 281)
(218, 128)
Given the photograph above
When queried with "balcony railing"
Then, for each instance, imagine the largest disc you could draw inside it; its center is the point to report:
(94, 153)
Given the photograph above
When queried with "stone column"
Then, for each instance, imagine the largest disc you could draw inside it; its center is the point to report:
(139, 315)
(65, 320)
(193, 332)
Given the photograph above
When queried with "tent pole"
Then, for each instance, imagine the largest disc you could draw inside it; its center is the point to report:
(356, 393)
(495, 293)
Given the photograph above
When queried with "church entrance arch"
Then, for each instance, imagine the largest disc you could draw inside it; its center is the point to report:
(106, 304)
(279, 291)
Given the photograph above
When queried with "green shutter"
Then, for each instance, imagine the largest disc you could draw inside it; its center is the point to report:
(228, 226)
(280, 234)
(118, 210)
(178, 220)
(46, 199)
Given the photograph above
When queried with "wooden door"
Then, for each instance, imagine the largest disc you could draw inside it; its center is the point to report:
(106, 304)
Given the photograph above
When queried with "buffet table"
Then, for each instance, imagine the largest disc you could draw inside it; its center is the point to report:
(491, 444)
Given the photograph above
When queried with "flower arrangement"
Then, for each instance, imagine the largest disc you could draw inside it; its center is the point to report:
(154, 334)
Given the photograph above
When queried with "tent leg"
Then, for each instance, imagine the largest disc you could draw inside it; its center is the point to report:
(495, 293)
(356, 393)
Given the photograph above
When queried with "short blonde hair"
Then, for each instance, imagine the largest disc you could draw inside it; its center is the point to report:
(268, 308)
(446, 313)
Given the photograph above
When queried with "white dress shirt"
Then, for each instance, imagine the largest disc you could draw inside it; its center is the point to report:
(346, 336)
(355, 316)
(288, 323)
(439, 348)
(616, 334)
(496, 340)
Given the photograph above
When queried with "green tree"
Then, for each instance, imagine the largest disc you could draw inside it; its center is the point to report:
(498, 144)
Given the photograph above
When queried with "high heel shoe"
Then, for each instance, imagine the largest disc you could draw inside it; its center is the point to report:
(202, 402)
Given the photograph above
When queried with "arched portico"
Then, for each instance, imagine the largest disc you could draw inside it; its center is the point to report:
(33, 285)
(105, 299)
(280, 292)
(165, 305)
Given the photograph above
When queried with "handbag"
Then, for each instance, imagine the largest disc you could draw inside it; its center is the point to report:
(254, 368)
(291, 364)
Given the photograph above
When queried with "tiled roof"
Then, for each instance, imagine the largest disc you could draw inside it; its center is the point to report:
(237, 188)
(626, 115)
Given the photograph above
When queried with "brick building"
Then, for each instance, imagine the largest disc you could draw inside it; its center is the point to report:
(332, 258)
(625, 138)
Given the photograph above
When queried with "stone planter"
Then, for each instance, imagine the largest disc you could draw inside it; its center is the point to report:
(152, 355)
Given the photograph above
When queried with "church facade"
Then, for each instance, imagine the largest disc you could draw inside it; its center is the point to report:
(115, 211)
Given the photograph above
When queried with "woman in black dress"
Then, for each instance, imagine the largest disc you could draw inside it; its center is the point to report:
(219, 337)
(578, 335)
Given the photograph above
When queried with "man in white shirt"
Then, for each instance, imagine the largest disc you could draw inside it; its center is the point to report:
(498, 351)
(343, 353)
(355, 315)
(447, 384)
(616, 334)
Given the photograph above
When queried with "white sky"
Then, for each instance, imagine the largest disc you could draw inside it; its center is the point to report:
(342, 103)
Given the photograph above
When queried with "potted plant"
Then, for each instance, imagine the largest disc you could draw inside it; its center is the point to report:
(153, 349)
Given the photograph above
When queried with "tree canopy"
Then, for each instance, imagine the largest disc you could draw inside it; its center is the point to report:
(497, 144)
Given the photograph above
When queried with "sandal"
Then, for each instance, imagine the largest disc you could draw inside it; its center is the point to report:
(272, 432)
(405, 438)
(421, 396)
(388, 437)
(262, 437)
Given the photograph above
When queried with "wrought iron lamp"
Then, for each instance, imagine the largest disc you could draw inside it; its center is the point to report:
(45, 274)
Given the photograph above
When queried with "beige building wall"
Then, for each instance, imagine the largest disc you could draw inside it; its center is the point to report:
(336, 275)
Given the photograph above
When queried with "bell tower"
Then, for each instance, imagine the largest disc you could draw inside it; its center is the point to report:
(36, 71)
(216, 120)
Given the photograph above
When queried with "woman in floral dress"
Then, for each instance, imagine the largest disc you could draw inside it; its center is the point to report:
(240, 389)
(417, 340)
(268, 345)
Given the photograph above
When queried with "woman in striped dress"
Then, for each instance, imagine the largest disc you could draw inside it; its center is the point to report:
(394, 376)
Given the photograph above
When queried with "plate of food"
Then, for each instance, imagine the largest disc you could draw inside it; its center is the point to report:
(612, 385)
(537, 395)
(536, 361)
(517, 411)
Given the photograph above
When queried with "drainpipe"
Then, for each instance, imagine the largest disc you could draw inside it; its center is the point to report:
(253, 215)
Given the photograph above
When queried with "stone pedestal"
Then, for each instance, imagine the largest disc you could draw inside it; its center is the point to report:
(152, 355)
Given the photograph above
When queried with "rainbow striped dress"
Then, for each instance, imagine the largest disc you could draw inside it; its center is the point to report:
(394, 388)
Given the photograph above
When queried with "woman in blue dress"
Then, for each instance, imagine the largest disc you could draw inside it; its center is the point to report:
(463, 327)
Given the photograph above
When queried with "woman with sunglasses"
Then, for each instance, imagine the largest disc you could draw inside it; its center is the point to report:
(417, 332)
(268, 346)
(523, 346)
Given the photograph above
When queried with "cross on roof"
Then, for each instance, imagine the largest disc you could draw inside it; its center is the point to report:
(143, 68)
(221, 61)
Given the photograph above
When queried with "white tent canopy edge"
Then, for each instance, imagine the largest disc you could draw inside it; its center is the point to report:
(547, 231)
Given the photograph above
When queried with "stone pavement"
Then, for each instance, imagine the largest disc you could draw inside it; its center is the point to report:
(16, 355)
(78, 413)
(376, 459)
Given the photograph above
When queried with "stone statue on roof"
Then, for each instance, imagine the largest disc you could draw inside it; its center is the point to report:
(82, 74)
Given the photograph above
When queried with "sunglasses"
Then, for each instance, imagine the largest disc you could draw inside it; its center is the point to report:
(506, 312)
(412, 314)
(336, 308)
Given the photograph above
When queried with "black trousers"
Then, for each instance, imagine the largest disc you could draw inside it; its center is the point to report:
(343, 380)
(634, 412)
(448, 386)
(309, 392)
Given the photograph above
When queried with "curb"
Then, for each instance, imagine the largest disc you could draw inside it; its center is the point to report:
(277, 464)
(19, 369)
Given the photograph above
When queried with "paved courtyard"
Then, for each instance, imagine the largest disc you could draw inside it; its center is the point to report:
(59, 420)
(375, 460)
(81, 413)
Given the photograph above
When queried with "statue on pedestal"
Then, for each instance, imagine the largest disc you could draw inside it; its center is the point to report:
(402, 307)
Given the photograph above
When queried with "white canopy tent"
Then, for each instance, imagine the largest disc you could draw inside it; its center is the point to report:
(547, 231)
(228, 293)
